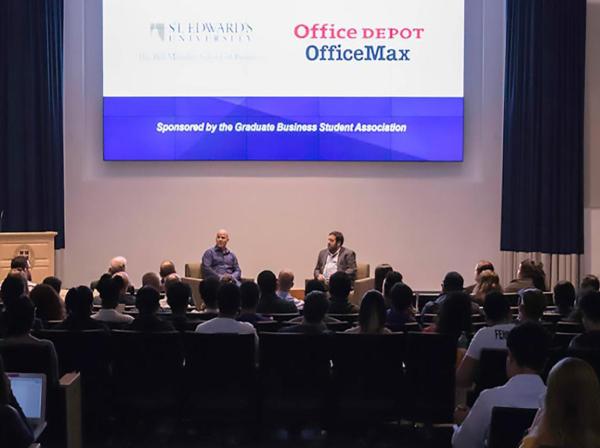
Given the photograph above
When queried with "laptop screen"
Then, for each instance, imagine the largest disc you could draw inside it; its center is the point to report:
(29, 392)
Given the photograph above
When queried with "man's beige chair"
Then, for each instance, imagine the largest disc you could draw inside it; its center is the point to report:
(362, 284)
(193, 277)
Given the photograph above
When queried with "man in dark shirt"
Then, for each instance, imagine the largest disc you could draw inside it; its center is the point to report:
(315, 308)
(178, 296)
(147, 303)
(250, 294)
(269, 302)
(220, 262)
(340, 285)
(78, 302)
(401, 311)
(453, 282)
(590, 309)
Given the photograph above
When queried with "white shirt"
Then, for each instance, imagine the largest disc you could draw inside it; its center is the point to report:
(493, 337)
(225, 325)
(521, 391)
(330, 267)
(112, 315)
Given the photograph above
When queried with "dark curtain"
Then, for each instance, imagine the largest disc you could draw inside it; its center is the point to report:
(542, 177)
(31, 123)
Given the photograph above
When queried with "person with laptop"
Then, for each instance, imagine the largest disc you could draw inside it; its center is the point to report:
(14, 430)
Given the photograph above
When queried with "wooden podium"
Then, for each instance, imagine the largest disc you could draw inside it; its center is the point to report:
(38, 246)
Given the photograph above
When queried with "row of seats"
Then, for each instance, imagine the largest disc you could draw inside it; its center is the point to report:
(348, 376)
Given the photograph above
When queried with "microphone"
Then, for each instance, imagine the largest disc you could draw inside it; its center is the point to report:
(1, 219)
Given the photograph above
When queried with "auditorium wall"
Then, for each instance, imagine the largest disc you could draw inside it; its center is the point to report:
(424, 219)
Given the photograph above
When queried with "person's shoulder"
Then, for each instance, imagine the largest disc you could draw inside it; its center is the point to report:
(126, 317)
(209, 251)
(348, 251)
(246, 327)
(580, 342)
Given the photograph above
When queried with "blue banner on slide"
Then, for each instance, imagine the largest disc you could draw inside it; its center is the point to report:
(283, 128)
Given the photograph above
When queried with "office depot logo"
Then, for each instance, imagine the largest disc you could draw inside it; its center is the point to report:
(341, 43)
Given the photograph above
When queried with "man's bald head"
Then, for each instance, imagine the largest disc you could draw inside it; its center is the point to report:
(152, 280)
(286, 280)
(166, 267)
(222, 238)
(117, 264)
(171, 279)
(125, 278)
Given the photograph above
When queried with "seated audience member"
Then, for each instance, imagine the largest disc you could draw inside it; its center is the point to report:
(269, 302)
(371, 316)
(529, 275)
(171, 278)
(402, 311)
(390, 280)
(570, 416)
(178, 297)
(589, 305)
(249, 294)
(109, 288)
(498, 319)
(19, 319)
(117, 264)
(147, 303)
(453, 282)
(454, 318)
(564, 298)
(125, 297)
(285, 282)
(590, 281)
(314, 285)
(167, 267)
(78, 302)
(483, 265)
(228, 299)
(151, 279)
(208, 292)
(14, 430)
(340, 285)
(55, 282)
(21, 264)
(488, 281)
(315, 308)
(380, 273)
(532, 304)
(527, 345)
(48, 305)
(13, 287)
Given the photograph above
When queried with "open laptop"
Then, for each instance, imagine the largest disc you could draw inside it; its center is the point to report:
(30, 391)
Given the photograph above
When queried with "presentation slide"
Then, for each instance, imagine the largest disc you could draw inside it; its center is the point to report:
(334, 80)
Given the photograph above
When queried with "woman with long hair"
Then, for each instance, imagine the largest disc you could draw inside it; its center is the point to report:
(487, 281)
(372, 315)
(570, 416)
(48, 304)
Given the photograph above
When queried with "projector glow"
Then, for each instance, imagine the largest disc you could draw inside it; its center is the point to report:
(269, 80)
